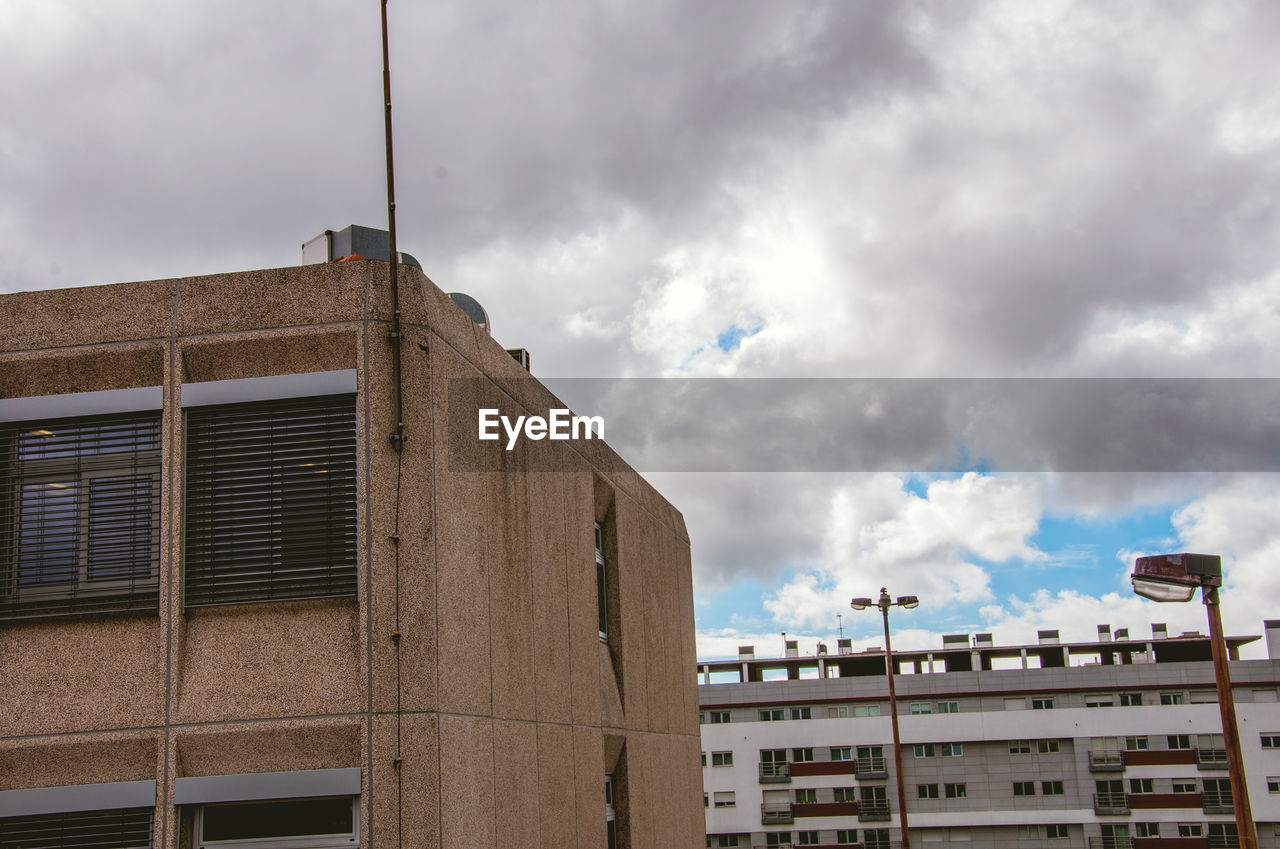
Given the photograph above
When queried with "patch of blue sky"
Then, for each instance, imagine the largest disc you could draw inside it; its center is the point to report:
(732, 338)
(739, 605)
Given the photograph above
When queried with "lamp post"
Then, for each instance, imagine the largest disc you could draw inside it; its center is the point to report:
(884, 603)
(1175, 577)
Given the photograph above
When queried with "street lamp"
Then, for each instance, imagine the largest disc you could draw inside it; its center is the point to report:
(1175, 577)
(884, 603)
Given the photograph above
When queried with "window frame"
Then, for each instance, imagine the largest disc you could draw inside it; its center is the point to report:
(79, 462)
(309, 841)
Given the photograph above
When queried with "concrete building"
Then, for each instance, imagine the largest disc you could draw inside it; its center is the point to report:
(1110, 743)
(233, 614)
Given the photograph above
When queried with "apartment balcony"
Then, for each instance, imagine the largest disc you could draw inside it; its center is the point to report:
(824, 768)
(1110, 804)
(872, 768)
(1160, 757)
(874, 811)
(1169, 843)
(1211, 758)
(776, 813)
(1144, 801)
(1223, 841)
(1217, 802)
(1110, 843)
(775, 773)
(1106, 760)
(824, 809)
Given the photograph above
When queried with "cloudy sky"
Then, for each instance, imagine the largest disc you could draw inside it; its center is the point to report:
(746, 190)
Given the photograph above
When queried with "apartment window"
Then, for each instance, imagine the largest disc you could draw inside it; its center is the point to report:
(79, 515)
(1223, 834)
(1204, 697)
(844, 794)
(702, 719)
(1051, 788)
(948, 707)
(1042, 703)
(955, 791)
(806, 797)
(802, 756)
(1271, 741)
(774, 715)
(127, 827)
(271, 501)
(1184, 785)
(719, 717)
(723, 841)
(1056, 831)
(705, 801)
(1135, 744)
(1179, 741)
(807, 838)
(1146, 829)
(1140, 785)
(1047, 747)
(924, 750)
(777, 839)
(841, 753)
(875, 838)
(1190, 829)
(1097, 701)
(926, 791)
(1024, 788)
(921, 707)
(838, 712)
(952, 750)
(846, 835)
(724, 799)
(866, 710)
(326, 822)
(721, 759)
(1273, 784)
(704, 758)
(802, 713)
(1130, 700)
(1171, 698)
(1019, 747)
(1028, 832)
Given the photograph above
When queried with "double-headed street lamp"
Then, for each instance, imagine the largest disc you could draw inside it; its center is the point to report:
(884, 603)
(1175, 577)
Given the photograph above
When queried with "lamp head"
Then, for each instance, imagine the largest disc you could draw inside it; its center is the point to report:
(1175, 577)
(860, 603)
(908, 601)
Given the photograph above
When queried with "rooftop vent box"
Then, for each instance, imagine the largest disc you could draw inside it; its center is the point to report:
(844, 646)
(982, 639)
(746, 652)
(1122, 633)
(365, 242)
(953, 640)
(792, 648)
(822, 649)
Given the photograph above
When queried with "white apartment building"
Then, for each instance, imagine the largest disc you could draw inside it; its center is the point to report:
(1111, 743)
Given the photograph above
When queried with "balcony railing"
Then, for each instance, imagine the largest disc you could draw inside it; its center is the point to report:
(773, 813)
(1106, 760)
(1110, 804)
(872, 767)
(1110, 843)
(873, 810)
(1224, 841)
(1217, 801)
(1211, 758)
(775, 773)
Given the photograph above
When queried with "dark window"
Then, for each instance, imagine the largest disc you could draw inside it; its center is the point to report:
(602, 594)
(79, 515)
(300, 818)
(271, 501)
(119, 829)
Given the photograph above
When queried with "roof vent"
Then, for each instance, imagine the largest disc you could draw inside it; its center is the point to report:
(472, 308)
(955, 640)
(792, 648)
(1159, 630)
(746, 652)
(355, 242)
(844, 645)
(982, 640)
(1047, 638)
(1104, 633)
(1122, 633)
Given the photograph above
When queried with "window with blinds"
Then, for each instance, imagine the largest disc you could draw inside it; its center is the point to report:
(116, 829)
(271, 501)
(79, 516)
